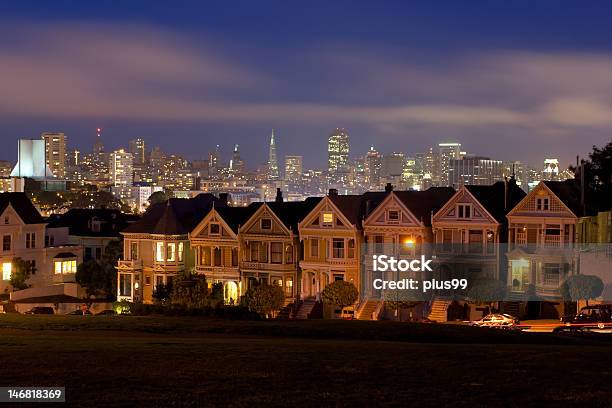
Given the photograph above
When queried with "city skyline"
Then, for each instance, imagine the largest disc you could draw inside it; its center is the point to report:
(491, 79)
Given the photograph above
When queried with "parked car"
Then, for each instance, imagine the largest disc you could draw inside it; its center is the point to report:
(599, 316)
(40, 310)
(497, 320)
(107, 312)
(78, 313)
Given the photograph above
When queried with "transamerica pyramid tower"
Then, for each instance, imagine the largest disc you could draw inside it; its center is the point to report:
(272, 162)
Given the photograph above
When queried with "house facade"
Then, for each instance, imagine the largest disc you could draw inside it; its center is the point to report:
(541, 238)
(157, 248)
(23, 233)
(217, 248)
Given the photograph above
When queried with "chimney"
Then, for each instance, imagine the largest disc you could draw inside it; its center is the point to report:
(388, 188)
(223, 198)
(333, 192)
(279, 196)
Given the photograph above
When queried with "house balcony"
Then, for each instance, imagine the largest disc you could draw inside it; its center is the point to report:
(130, 264)
(267, 267)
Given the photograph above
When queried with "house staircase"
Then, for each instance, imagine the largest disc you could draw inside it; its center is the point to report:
(368, 309)
(304, 309)
(438, 311)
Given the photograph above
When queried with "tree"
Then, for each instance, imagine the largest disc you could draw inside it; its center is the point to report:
(190, 291)
(488, 291)
(20, 272)
(582, 287)
(598, 175)
(159, 197)
(100, 277)
(340, 294)
(162, 293)
(402, 299)
(265, 299)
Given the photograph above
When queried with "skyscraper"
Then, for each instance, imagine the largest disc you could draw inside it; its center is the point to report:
(137, 148)
(372, 166)
(236, 163)
(121, 168)
(98, 146)
(55, 152)
(475, 170)
(293, 169)
(338, 154)
(273, 173)
(448, 152)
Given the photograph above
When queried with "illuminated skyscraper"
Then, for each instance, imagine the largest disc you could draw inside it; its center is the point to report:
(121, 168)
(236, 163)
(137, 148)
(372, 166)
(55, 152)
(448, 152)
(293, 169)
(273, 173)
(338, 154)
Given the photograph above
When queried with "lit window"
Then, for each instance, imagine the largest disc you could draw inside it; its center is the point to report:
(7, 268)
(159, 252)
(180, 252)
(58, 267)
(328, 219)
(171, 252)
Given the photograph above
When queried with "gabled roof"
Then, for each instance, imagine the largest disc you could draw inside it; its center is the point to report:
(423, 203)
(235, 217)
(496, 200)
(22, 205)
(356, 207)
(78, 221)
(569, 192)
(177, 216)
(292, 212)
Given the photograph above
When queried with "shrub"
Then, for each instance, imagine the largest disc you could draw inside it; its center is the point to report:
(340, 294)
(265, 299)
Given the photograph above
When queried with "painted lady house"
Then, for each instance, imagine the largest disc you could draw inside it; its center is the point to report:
(331, 236)
(468, 231)
(156, 248)
(541, 237)
(399, 226)
(217, 248)
(270, 245)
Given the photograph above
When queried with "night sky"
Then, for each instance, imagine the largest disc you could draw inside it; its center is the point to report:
(516, 80)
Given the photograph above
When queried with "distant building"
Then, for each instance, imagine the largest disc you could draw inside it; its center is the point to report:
(31, 160)
(236, 163)
(55, 152)
(372, 166)
(448, 152)
(293, 170)
(475, 170)
(338, 155)
(137, 148)
(121, 168)
(273, 172)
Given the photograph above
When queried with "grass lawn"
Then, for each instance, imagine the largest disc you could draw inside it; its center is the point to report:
(166, 361)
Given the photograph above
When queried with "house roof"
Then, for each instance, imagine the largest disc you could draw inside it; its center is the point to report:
(356, 207)
(177, 216)
(292, 212)
(63, 255)
(234, 217)
(496, 200)
(423, 203)
(23, 206)
(78, 221)
(569, 192)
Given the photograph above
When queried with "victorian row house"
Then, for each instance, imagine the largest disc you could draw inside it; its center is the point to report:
(477, 232)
